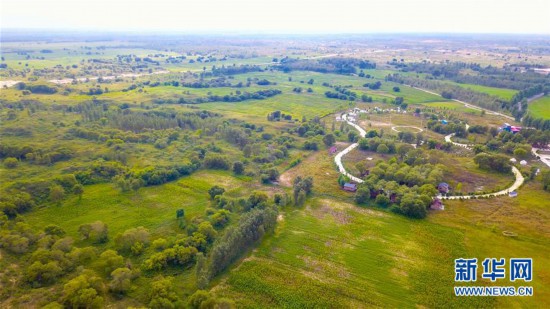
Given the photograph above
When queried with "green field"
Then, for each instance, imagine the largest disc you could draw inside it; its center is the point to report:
(451, 105)
(502, 93)
(540, 108)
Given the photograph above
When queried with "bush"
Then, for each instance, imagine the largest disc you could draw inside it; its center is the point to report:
(216, 162)
(238, 168)
(10, 163)
(215, 191)
(134, 239)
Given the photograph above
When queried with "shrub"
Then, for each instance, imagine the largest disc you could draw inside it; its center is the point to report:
(10, 162)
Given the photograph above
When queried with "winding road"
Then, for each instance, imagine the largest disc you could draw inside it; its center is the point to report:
(338, 160)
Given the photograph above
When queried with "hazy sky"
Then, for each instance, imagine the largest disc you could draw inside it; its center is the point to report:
(282, 16)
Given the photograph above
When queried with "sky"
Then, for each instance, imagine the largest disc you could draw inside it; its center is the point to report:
(281, 16)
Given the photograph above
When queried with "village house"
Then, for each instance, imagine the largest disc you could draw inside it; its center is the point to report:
(443, 188)
(351, 187)
(437, 204)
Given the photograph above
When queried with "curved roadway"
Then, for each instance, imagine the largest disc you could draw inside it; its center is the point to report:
(338, 160)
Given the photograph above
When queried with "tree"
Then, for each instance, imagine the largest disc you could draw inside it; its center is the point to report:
(329, 140)
(133, 239)
(362, 195)
(256, 199)
(520, 153)
(251, 227)
(215, 190)
(412, 206)
(496, 162)
(220, 218)
(206, 229)
(238, 168)
(352, 136)
(10, 162)
(546, 180)
(54, 230)
(97, 232)
(39, 273)
(57, 193)
(195, 301)
(382, 148)
(83, 291)
(396, 89)
(121, 281)
(78, 189)
(109, 260)
(162, 294)
(382, 200)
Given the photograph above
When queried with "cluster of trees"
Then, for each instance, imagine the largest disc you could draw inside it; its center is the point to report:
(35, 155)
(278, 116)
(251, 227)
(336, 65)
(366, 98)
(452, 127)
(302, 187)
(377, 144)
(342, 93)
(515, 144)
(212, 83)
(154, 175)
(510, 77)
(238, 97)
(373, 86)
(407, 188)
(536, 122)
(310, 128)
(233, 70)
(493, 162)
(452, 92)
(36, 88)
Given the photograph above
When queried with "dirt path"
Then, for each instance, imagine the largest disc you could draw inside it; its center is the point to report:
(338, 160)
(338, 157)
(519, 181)
(413, 127)
(544, 158)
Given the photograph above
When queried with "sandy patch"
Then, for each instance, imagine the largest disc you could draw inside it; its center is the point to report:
(8, 83)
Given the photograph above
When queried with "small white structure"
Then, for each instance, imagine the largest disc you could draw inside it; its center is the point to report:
(523, 162)
(513, 194)
(513, 160)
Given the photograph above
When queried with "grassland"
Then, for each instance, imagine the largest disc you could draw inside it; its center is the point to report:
(502, 93)
(540, 108)
(454, 106)
(333, 252)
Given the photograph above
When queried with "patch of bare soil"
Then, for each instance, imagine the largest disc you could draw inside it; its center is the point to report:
(365, 124)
